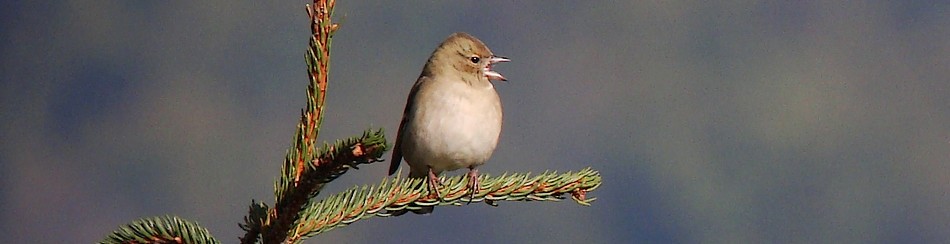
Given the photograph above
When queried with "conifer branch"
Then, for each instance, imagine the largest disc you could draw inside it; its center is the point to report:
(333, 161)
(160, 230)
(305, 172)
(253, 222)
(396, 194)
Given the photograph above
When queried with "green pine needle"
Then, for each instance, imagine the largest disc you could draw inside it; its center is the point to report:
(167, 229)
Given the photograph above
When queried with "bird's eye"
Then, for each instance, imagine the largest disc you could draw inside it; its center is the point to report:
(474, 59)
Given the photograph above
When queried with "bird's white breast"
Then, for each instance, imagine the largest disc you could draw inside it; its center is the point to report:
(454, 128)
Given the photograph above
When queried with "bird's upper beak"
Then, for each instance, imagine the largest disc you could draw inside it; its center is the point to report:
(491, 74)
(496, 59)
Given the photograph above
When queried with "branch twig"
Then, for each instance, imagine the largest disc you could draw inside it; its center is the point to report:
(401, 193)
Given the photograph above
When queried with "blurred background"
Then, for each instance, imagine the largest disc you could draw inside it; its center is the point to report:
(729, 122)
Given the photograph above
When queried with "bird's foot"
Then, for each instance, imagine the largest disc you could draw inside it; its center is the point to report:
(434, 184)
(472, 183)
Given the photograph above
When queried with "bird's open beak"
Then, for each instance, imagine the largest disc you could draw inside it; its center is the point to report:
(491, 74)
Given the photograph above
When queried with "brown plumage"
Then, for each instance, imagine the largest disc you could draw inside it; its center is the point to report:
(453, 115)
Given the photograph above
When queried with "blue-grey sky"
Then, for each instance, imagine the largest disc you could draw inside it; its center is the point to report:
(712, 122)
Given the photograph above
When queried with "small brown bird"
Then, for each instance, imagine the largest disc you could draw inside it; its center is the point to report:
(453, 115)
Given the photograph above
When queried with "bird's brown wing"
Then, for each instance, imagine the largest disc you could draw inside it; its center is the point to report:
(397, 149)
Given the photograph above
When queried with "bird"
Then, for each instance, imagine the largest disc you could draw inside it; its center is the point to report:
(453, 115)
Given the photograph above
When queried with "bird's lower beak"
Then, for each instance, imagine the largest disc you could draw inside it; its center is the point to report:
(491, 74)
